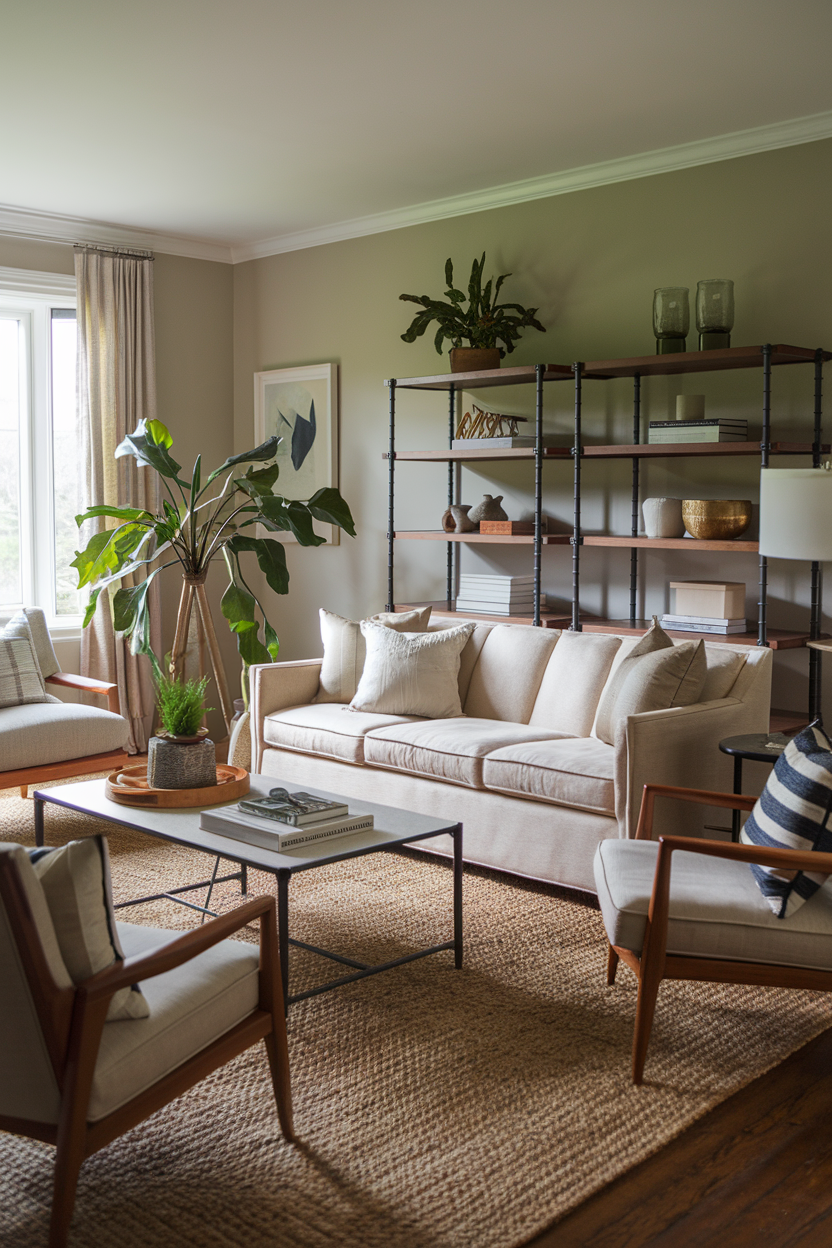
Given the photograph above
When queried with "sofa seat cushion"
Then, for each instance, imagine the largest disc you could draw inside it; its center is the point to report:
(328, 728)
(51, 732)
(572, 771)
(445, 749)
(716, 909)
(190, 1007)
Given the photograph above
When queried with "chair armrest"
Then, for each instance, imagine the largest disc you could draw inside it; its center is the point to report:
(729, 801)
(87, 684)
(790, 859)
(276, 686)
(176, 952)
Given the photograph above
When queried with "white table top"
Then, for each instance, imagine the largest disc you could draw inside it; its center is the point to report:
(392, 827)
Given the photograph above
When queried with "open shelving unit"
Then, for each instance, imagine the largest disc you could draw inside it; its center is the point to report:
(579, 455)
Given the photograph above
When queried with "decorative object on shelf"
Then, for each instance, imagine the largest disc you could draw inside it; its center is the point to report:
(713, 430)
(181, 756)
(483, 325)
(708, 607)
(478, 423)
(671, 318)
(716, 519)
(512, 528)
(447, 522)
(462, 521)
(690, 407)
(663, 517)
(195, 531)
(714, 312)
(129, 787)
(488, 509)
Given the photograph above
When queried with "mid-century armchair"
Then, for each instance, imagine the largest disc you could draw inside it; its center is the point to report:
(70, 1079)
(701, 915)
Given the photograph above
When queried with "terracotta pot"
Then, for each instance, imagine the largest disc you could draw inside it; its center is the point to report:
(474, 359)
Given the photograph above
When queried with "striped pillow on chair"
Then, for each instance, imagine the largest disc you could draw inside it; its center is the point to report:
(793, 812)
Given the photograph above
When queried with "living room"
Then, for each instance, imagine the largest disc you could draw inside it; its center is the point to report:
(657, 154)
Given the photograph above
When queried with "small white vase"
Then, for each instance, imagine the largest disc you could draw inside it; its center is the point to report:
(663, 517)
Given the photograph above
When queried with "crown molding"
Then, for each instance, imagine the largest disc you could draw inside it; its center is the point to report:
(643, 165)
(33, 282)
(48, 227)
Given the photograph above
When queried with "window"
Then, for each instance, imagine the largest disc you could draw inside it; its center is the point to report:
(40, 456)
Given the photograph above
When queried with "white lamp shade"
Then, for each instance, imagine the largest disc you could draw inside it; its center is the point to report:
(796, 513)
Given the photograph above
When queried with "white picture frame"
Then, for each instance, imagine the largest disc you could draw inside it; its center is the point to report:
(300, 405)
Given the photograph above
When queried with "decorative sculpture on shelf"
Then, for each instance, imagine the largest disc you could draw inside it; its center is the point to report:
(478, 423)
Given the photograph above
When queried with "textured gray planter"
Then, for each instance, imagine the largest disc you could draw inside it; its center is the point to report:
(181, 765)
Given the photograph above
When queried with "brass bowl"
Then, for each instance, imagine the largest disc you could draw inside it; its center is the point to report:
(716, 519)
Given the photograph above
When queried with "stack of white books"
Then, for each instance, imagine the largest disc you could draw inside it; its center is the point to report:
(703, 624)
(497, 595)
(716, 430)
(284, 820)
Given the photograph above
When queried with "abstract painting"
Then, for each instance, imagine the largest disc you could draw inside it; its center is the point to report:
(300, 406)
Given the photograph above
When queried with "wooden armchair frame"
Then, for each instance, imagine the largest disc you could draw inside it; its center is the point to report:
(655, 964)
(72, 1020)
(23, 777)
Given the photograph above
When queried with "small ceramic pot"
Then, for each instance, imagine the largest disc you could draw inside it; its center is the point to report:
(462, 521)
(488, 509)
(663, 517)
(447, 522)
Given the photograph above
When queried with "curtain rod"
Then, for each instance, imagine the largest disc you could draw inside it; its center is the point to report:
(129, 252)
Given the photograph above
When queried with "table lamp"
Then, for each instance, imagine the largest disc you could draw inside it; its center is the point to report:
(796, 523)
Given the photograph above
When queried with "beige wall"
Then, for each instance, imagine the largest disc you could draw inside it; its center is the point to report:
(590, 260)
(194, 380)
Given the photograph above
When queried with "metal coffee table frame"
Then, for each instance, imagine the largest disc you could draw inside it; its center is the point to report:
(182, 827)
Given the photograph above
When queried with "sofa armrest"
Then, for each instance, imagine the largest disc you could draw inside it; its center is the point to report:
(274, 687)
(679, 747)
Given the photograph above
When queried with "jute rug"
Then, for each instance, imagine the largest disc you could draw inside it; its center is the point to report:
(436, 1108)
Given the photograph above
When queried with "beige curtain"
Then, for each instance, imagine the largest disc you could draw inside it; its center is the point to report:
(117, 389)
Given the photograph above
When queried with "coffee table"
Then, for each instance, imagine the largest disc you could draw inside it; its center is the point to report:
(393, 829)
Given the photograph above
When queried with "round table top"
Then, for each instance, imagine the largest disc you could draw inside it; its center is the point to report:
(759, 747)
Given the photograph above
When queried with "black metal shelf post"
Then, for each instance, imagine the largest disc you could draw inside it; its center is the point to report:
(451, 499)
(577, 540)
(634, 500)
(815, 656)
(540, 369)
(765, 450)
(391, 485)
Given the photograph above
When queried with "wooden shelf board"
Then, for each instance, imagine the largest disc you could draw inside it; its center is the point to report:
(671, 543)
(698, 361)
(484, 379)
(437, 535)
(778, 638)
(518, 452)
(548, 619)
(688, 449)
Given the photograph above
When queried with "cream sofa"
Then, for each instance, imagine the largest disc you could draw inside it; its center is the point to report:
(535, 789)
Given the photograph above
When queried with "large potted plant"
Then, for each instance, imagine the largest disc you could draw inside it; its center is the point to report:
(483, 324)
(198, 522)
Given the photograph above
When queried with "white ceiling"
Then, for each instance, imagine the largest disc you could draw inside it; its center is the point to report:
(261, 123)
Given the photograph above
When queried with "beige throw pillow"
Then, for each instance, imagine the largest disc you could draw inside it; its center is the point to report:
(79, 893)
(21, 681)
(344, 649)
(654, 676)
(411, 673)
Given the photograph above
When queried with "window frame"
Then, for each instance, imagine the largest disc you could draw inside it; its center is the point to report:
(31, 295)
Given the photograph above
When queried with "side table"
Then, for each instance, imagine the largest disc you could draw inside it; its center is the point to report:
(757, 747)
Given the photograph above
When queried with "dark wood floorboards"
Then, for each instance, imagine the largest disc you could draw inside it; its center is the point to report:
(756, 1171)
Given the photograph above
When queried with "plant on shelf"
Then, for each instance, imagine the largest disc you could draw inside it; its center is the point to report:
(194, 526)
(180, 704)
(483, 325)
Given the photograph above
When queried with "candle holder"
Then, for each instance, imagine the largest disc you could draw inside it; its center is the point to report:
(714, 313)
(671, 318)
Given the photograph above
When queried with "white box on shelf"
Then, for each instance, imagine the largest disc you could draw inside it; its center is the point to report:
(721, 600)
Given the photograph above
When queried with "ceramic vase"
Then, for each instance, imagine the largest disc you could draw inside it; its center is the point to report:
(488, 509)
(462, 521)
(663, 517)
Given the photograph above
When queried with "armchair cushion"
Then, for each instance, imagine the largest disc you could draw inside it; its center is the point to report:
(793, 812)
(190, 1007)
(47, 659)
(52, 731)
(21, 682)
(716, 910)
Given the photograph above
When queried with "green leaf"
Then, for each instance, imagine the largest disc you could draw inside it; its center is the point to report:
(127, 603)
(449, 272)
(275, 508)
(266, 450)
(270, 556)
(328, 505)
(142, 445)
(300, 520)
(252, 649)
(116, 513)
(238, 608)
(264, 478)
(92, 603)
(272, 642)
(107, 552)
(196, 477)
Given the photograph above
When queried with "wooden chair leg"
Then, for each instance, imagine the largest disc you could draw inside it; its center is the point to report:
(278, 1052)
(68, 1159)
(24, 790)
(612, 965)
(648, 990)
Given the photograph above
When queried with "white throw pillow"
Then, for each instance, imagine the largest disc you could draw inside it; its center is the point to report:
(411, 673)
(20, 677)
(654, 676)
(76, 882)
(344, 649)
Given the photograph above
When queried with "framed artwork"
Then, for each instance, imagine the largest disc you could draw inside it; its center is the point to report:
(300, 405)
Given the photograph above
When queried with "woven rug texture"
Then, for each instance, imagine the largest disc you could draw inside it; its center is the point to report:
(435, 1108)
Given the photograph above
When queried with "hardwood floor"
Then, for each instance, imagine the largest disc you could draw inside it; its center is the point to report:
(755, 1171)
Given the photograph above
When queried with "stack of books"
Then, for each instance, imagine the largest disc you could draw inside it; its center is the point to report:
(284, 820)
(716, 430)
(708, 607)
(497, 595)
(507, 443)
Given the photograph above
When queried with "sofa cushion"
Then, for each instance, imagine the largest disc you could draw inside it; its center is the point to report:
(573, 771)
(345, 651)
(716, 910)
(724, 665)
(411, 673)
(652, 681)
(572, 683)
(326, 728)
(507, 676)
(50, 732)
(446, 749)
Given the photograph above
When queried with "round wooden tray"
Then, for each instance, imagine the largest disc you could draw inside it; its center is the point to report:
(129, 787)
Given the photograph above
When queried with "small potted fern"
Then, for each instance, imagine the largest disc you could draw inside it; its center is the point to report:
(181, 756)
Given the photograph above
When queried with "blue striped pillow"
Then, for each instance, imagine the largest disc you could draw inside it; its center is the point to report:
(793, 812)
